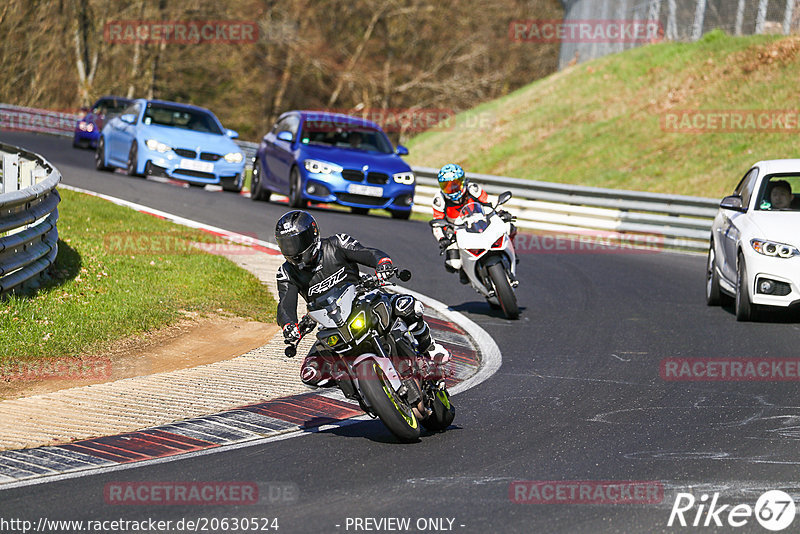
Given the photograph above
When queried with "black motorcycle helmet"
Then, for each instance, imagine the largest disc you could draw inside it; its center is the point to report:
(297, 235)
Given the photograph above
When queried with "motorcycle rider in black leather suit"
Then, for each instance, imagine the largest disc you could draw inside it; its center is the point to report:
(313, 266)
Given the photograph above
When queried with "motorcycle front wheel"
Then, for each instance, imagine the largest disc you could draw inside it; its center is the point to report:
(393, 412)
(503, 291)
(443, 412)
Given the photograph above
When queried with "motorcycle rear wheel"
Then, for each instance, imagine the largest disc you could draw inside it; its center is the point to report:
(393, 412)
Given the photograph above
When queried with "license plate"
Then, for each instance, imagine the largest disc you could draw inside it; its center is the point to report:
(194, 165)
(366, 190)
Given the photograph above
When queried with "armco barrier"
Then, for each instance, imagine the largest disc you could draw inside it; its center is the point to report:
(28, 216)
(678, 221)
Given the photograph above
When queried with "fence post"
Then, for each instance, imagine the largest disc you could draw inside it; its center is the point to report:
(672, 26)
(787, 17)
(10, 173)
(762, 16)
(739, 17)
(699, 20)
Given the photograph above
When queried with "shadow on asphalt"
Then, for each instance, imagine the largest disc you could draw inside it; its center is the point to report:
(767, 315)
(482, 308)
(376, 432)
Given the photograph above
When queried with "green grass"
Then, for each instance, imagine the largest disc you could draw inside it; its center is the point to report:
(121, 273)
(598, 123)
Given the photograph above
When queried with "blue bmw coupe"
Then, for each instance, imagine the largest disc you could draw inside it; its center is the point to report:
(329, 157)
(180, 141)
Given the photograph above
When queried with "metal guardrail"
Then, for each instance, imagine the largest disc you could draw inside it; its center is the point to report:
(28, 215)
(673, 221)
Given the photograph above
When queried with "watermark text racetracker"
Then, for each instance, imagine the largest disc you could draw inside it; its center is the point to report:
(400, 120)
(209, 493)
(731, 121)
(586, 492)
(587, 242)
(730, 369)
(183, 32)
(585, 31)
(168, 243)
(72, 368)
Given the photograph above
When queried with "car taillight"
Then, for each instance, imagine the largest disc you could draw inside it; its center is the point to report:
(475, 251)
(499, 242)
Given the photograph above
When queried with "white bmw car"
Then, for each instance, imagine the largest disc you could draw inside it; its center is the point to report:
(755, 241)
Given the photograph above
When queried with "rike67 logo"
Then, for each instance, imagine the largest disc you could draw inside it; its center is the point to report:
(774, 510)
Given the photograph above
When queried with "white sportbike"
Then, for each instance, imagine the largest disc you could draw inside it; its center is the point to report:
(487, 253)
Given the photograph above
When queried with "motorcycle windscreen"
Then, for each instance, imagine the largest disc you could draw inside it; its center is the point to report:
(473, 218)
(333, 308)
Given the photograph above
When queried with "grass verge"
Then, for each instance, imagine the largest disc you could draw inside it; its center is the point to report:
(600, 123)
(120, 273)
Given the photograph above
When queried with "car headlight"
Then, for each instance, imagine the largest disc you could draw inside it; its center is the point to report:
(771, 248)
(85, 126)
(158, 146)
(321, 167)
(406, 178)
(234, 157)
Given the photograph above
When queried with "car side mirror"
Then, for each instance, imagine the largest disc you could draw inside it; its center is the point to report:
(286, 136)
(401, 150)
(130, 118)
(732, 202)
(233, 134)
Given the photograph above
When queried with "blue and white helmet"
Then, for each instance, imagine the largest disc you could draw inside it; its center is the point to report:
(452, 181)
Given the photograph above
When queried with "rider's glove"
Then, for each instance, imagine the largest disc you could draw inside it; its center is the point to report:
(443, 244)
(384, 270)
(291, 333)
(506, 216)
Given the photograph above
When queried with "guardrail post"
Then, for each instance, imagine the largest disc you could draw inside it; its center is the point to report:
(10, 173)
(26, 174)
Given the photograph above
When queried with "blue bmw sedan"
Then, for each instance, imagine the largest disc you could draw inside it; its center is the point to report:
(180, 141)
(333, 158)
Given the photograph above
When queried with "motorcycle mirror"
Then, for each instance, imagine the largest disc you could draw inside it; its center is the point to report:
(504, 197)
(437, 223)
(404, 275)
(290, 351)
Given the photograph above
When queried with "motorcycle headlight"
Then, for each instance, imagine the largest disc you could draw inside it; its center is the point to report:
(358, 324)
(234, 157)
(774, 249)
(158, 146)
(333, 340)
(321, 167)
(406, 178)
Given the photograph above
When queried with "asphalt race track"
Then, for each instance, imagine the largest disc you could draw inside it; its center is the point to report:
(578, 397)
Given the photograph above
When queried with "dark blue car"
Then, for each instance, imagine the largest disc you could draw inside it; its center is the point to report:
(333, 158)
(87, 129)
